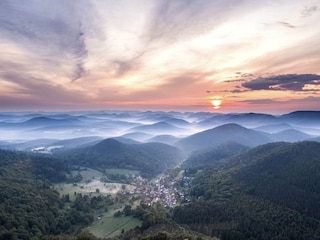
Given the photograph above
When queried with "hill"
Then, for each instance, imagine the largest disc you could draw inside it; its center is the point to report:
(137, 136)
(167, 139)
(26, 145)
(158, 128)
(77, 142)
(46, 121)
(269, 192)
(244, 119)
(29, 207)
(302, 118)
(211, 155)
(274, 128)
(223, 133)
(174, 121)
(290, 135)
(150, 158)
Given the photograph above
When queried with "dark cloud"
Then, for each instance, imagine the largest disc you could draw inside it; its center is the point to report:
(79, 52)
(238, 91)
(234, 80)
(261, 101)
(78, 72)
(122, 67)
(286, 24)
(291, 82)
(309, 10)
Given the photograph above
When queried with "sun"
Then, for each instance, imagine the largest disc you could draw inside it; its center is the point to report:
(216, 103)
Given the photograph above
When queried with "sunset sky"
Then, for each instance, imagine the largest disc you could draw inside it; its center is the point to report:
(253, 56)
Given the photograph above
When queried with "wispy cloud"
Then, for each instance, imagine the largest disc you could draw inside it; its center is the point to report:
(135, 51)
(286, 24)
(261, 101)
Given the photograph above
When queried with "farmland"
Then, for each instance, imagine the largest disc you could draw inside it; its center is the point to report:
(105, 223)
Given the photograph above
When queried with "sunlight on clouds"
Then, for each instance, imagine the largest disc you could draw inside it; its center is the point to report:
(112, 51)
(9, 88)
(312, 87)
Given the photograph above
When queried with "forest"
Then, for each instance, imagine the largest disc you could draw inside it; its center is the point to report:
(150, 158)
(30, 208)
(268, 192)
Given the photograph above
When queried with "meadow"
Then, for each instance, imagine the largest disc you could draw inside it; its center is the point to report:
(105, 223)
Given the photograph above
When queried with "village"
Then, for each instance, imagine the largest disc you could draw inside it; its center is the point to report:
(162, 190)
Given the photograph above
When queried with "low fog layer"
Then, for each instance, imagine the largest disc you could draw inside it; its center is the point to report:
(36, 130)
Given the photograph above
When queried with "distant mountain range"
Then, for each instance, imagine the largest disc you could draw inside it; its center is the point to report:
(189, 131)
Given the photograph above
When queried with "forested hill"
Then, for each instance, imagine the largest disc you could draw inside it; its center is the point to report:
(29, 207)
(212, 155)
(151, 158)
(269, 192)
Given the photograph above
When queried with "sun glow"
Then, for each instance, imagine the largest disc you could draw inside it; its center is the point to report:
(216, 103)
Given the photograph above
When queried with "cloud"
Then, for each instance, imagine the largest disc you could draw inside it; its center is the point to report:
(235, 80)
(173, 21)
(116, 52)
(260, 101)
(286, 24)
(309, 11)
(48, 31)
(288, 82)
(41, 91)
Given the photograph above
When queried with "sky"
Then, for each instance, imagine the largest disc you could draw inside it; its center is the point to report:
(186, 55)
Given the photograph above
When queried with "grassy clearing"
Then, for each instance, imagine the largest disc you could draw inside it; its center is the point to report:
(89, 174)
(122, 171)
(91, 188)
(106, 225)
(89, 185)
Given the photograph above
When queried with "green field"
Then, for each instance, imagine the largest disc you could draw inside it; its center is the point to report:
(90, 188)
(91, 182)
(89, 174)
(106, 225)
(122, 171)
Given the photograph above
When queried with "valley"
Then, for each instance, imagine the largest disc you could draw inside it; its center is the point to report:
(159, 120)
(126, 175)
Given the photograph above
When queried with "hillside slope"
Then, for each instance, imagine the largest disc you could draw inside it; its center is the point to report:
(150, 158)
(221, 134)
(269, 192)
(29, 207)
(211, 155)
